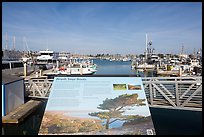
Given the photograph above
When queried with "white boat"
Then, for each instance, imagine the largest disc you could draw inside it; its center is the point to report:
(194, 63)
(89, 64)
(73, 69)
(64, 56)
(46, 59)
(126, 59)
(145, 66)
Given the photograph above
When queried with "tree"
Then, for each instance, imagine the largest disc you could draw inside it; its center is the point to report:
(115, 107)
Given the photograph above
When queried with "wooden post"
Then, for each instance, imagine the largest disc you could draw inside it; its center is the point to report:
(177, 93)
(180, 72)
(151, 94)
(36, 74)
(57, 64)
(157, 68)
(40, 72)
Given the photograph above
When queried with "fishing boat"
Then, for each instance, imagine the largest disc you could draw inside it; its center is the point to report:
(148, 53)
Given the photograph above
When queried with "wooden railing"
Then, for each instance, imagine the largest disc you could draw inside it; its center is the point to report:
(164, 92)
(38, 88)
(174, 92)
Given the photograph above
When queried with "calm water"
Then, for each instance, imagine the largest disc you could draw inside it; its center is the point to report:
(166, 121)
(113, 67)
(118, 67)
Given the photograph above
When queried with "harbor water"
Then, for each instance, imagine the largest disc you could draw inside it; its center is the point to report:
(166, 121)
(118, 68)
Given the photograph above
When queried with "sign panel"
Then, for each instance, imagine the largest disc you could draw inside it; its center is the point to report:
(97, 106)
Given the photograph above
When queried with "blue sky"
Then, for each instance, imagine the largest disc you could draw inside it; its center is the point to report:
(103, 27)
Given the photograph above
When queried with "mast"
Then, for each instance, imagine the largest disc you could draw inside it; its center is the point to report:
(14, 43)
(6, 41)
(194, 52)
(182, 49)
(26, 49)
(146, 48)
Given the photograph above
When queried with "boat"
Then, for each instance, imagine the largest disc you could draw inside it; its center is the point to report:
(89, 64)
(73, 69)
(46, 59)
(148, 52)
(63, 56)
(145, 66)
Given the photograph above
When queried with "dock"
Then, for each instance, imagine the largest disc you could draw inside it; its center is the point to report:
(168, 73)
(19, 114)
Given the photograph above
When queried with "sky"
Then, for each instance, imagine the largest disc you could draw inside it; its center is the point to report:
(103, 27)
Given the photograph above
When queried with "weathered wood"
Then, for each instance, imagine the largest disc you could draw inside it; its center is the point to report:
(198, 90)
(20, 113)
(187, 91)
(151, 95)
(165, 96)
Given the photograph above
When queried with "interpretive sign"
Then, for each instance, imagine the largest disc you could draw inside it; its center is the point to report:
(97, 106)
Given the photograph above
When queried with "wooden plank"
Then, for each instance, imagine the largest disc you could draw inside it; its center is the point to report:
(180, 108)
(187, 91)
(20, 113)
(198, 90)
(167, 98)
(151, 96)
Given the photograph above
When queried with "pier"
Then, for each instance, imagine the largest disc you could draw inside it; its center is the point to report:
(162, 92)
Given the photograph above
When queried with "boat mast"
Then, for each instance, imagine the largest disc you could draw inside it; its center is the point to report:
(26, 47)
(146, 48)
(6, 41)
(14, 43)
